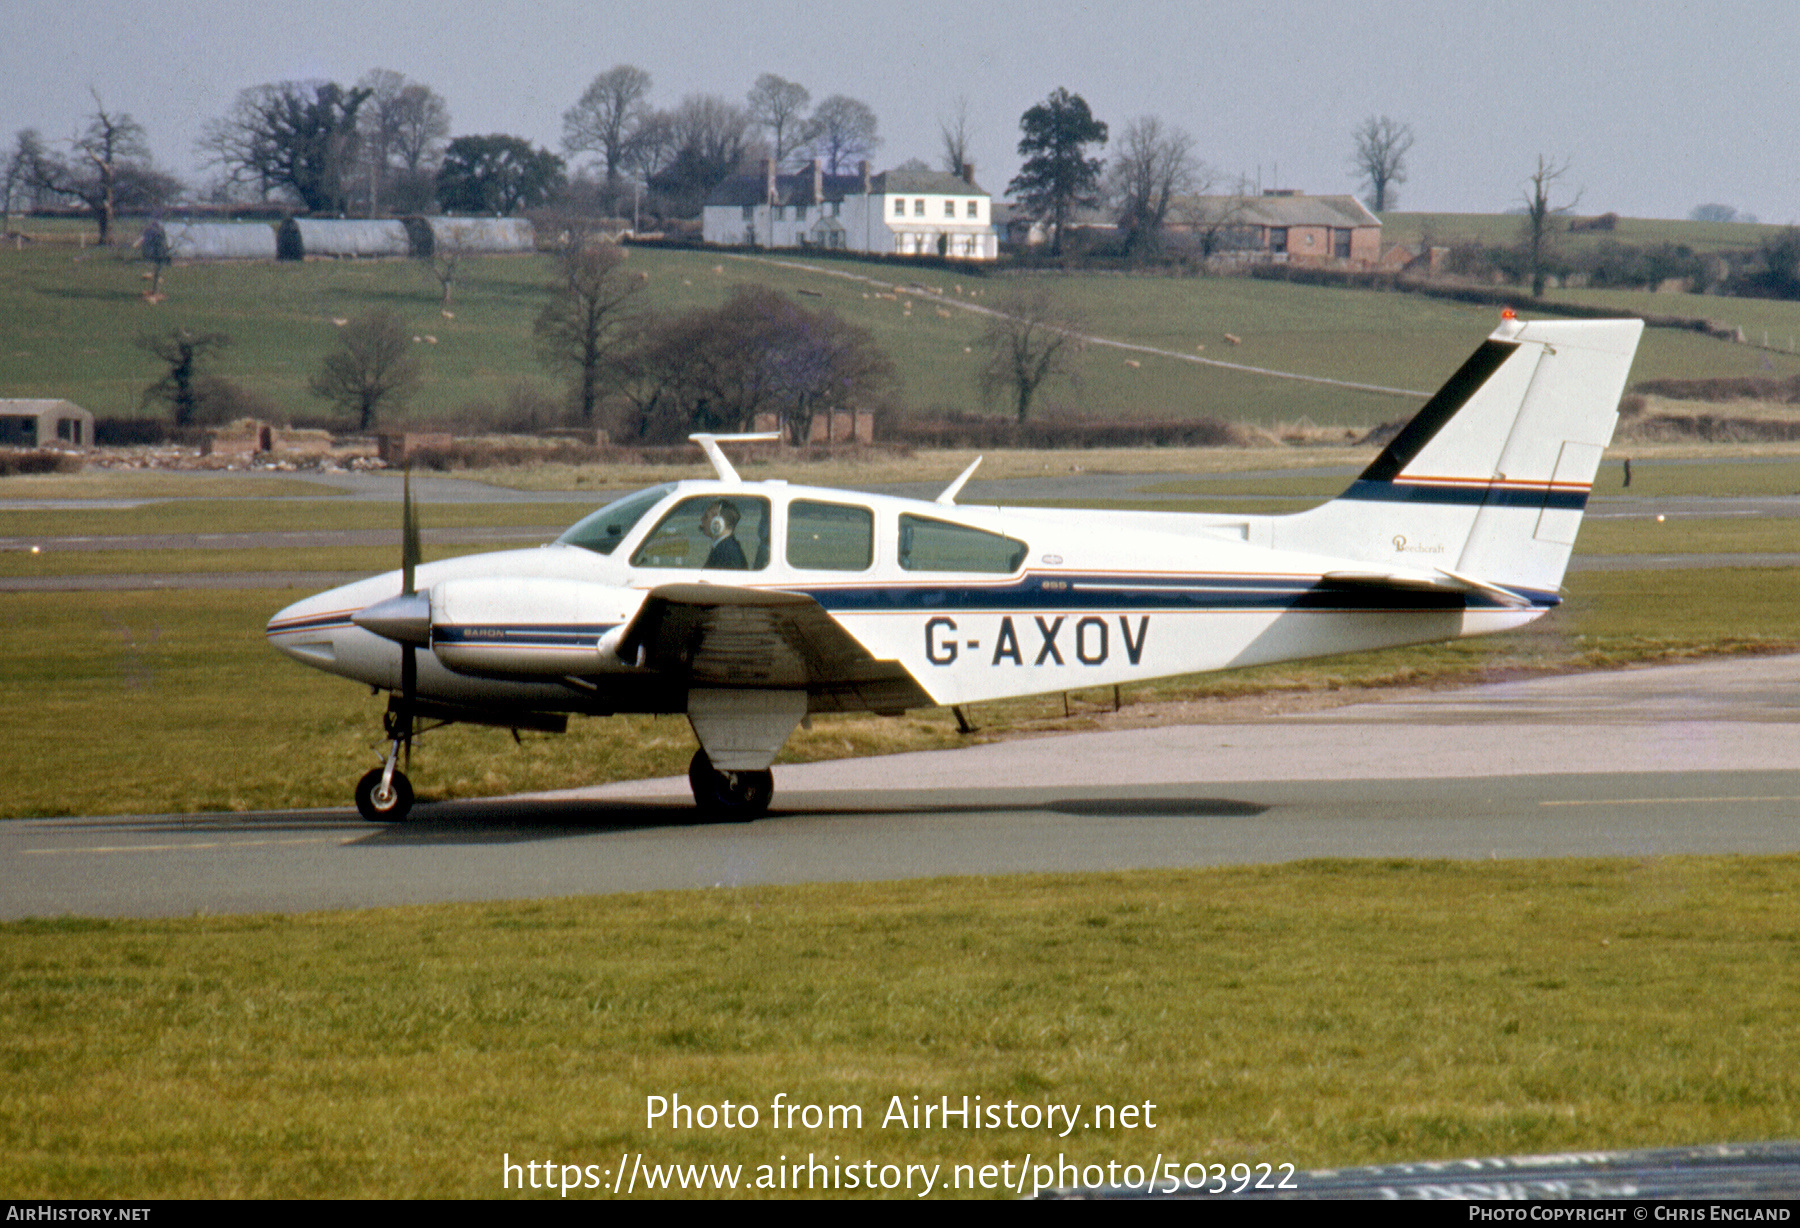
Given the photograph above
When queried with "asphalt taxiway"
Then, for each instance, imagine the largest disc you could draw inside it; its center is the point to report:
(1643, 763)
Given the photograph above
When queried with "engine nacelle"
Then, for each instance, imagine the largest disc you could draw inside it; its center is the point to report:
(528, 625)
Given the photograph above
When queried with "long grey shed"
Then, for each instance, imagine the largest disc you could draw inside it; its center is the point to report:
(473, 235)
(220, 240)
(303, 237)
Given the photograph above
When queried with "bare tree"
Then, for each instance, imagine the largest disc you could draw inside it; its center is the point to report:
(842, 132)
(708, 137)
(583, 327)
(1380, 159)
(759, 352)
(1029, 339)
(373, 367)
(957, 135)
(108, 168)
(652, 147)
(779, 107)
(23, 176)
(298, 136)
(1153, 166)
(111, 140)
(604, 120)
(1213, 223)
(403, 126)
(446, 256)
(1538, 242)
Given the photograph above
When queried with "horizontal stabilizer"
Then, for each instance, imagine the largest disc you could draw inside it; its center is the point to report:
(1440, 581)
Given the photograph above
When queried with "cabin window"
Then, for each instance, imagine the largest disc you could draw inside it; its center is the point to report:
(974, 209)
(1340, 244)
(919, 207)
(830, 536)
(710, 532)
(602, 531)
(936, 545)
(899, 208)
(1278, 239)
(950, 209)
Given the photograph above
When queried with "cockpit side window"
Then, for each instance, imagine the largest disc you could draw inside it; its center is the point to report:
(603, 530)
(710, 532)
(937, 545)
(830, 536)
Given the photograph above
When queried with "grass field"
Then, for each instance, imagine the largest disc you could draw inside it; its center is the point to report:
(1503, 230)
(70, 319)
(1314, 1014)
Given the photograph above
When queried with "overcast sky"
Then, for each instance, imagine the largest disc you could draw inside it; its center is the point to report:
(1656, 106)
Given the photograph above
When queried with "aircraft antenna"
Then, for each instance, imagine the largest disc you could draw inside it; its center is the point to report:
(948, 498)
(710, 445)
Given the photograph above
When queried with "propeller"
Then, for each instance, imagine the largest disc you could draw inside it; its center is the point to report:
(406, 620)
(409, 562)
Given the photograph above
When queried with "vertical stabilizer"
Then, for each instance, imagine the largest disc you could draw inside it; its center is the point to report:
(1490, 478)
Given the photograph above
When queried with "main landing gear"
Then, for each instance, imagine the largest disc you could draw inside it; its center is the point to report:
(735, 797)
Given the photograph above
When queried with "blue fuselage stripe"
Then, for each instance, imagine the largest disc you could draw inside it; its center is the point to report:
(1221, 594)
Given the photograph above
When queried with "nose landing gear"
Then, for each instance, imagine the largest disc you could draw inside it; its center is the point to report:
(385, 795)
(382, 800)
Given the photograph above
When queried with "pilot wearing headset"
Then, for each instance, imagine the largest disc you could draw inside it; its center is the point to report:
(719, 522)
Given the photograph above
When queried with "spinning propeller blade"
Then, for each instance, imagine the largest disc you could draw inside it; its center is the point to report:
(409, 535)
(409, 561)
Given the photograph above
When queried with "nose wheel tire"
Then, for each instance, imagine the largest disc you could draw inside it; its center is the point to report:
(392, 807)
(736, 797)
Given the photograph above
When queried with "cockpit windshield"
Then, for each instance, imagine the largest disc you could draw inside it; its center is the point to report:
(602, 531)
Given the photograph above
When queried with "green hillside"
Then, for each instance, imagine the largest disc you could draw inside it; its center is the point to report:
(1503, 229)
(69, 318)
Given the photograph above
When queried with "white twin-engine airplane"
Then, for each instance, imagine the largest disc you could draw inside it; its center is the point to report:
(749, 605)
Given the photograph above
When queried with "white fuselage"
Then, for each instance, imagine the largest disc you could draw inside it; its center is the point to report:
(977, 603)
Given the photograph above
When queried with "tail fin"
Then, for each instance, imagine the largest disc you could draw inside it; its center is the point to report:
(1490, 478)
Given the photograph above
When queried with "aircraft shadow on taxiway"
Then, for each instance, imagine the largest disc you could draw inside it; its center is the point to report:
(508, 821)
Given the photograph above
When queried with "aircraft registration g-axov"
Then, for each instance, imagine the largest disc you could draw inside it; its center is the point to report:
(749, 605)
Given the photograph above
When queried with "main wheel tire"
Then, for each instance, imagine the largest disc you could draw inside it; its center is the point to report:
(390, 809)
(737, 797)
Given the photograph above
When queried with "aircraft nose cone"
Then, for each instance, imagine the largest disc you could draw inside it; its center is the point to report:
(306, 631)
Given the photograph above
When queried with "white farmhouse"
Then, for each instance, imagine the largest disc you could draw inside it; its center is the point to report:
(907, 213)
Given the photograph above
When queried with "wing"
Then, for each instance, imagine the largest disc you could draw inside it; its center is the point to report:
(717, 635)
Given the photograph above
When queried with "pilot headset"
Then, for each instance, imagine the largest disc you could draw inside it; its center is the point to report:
(717, 522)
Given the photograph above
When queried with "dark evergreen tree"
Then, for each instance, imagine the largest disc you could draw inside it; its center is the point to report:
(1058, 177)
(496, 175)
